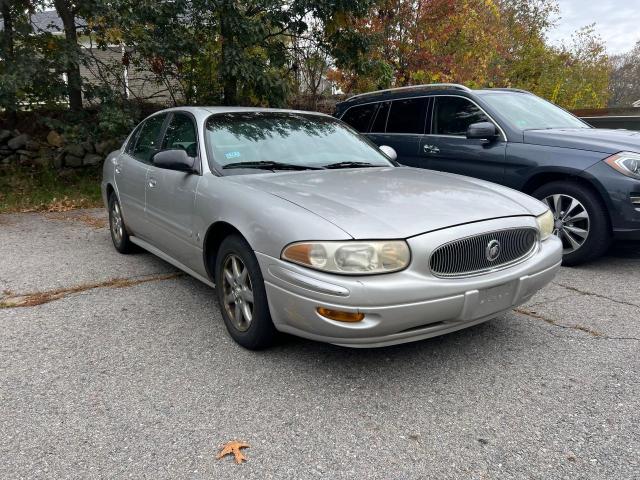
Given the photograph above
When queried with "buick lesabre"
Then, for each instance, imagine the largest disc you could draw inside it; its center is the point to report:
(305, 227)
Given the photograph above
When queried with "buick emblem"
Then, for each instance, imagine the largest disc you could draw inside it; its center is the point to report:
(492, 252)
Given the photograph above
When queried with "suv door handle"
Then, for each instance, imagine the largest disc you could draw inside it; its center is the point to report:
(118, 168)
(430, 149)
(152, 182)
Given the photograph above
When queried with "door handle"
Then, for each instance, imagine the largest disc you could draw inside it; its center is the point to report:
(430, 149)
(152, 182)
(118, 168)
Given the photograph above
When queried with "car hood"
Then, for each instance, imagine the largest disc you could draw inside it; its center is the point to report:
(595, 139)
(393, 202)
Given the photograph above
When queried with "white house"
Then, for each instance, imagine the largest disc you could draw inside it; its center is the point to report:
(636, 104)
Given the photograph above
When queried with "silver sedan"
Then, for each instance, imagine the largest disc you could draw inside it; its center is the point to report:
(307, 228)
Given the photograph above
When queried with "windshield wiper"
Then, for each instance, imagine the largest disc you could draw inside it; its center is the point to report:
(267, 165)
(351, 165)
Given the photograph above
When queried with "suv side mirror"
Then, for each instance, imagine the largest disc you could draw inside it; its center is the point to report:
(389, 152)
(482, 130)
(175, 159)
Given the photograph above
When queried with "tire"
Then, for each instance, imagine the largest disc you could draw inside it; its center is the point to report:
(572, 219)
(118, 229)
(241, 295)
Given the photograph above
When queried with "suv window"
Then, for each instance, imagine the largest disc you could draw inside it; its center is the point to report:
(453, 115)
(147, 142)
(181, 134)
(407, 116)
(360, 117)
(380, 122)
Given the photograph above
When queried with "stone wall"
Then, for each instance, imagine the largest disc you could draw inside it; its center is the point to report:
(18, 148)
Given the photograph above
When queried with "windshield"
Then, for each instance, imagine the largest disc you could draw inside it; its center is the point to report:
(528, 112)
(287, 141)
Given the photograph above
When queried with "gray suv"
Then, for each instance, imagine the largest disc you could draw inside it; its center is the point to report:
(589, 178)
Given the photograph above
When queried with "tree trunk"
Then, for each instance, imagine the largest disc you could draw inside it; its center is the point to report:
(74, 80)
(9, 56)
(230, 81)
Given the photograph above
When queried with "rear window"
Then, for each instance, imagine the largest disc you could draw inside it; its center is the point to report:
(407, 116)
(359, 117)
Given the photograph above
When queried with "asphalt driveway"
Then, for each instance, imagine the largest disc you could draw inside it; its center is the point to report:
(116, 366)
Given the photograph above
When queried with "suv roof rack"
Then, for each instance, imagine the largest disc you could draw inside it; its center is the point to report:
(428, 86)
(509, 89)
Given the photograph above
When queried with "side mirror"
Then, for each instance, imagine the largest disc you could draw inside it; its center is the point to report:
(389, 152)
(482, 130)
(175, 159)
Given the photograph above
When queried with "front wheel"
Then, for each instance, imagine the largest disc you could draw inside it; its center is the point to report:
(242, 296)
(581, 220)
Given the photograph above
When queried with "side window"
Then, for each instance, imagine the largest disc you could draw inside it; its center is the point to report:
(380, 122)
(181, 134)
(147, 143)
(360, 117)
(407, 116)
(453, 115)
(132, 140)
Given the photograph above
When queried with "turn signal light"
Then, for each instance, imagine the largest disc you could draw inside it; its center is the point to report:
(340, 316)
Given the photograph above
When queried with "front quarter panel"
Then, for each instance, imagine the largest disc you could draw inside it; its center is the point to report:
(267, 222)
(524, 161)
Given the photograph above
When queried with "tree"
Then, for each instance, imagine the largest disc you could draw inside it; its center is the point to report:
(14, 19)
(624, 88)
(68, 11)
(227, 51)
(493, 43)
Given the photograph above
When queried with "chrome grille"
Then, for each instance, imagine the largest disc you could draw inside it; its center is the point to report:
(472, 255)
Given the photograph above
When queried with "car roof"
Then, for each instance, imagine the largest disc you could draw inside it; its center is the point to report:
(207, 111)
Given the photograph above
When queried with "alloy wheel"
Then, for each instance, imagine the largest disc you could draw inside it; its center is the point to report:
(571, 221)
(237, 292)
(117, 229)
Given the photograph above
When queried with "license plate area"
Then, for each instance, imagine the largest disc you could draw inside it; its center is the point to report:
(495, 299)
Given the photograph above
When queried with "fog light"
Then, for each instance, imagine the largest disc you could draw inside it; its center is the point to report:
(340, 316)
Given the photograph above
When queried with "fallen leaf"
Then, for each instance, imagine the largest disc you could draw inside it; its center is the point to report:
(233, 447)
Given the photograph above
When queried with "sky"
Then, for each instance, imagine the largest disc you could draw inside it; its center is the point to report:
(617, 22)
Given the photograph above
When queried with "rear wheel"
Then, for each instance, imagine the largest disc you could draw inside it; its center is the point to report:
(581, 220)
(119, 234)
(242, 296)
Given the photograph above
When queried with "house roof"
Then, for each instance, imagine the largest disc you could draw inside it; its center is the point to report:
(48, 21)
(636, 103)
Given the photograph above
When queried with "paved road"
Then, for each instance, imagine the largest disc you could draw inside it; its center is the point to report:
(139, 379)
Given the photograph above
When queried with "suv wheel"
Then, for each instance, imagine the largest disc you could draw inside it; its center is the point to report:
(581, 220)
(242, 296)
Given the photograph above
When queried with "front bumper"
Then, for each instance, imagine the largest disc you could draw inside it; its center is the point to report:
(408, 305)
(617, 190)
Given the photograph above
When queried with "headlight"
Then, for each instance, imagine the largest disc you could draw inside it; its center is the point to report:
(627, 163)
(546, 222)
(351, 257)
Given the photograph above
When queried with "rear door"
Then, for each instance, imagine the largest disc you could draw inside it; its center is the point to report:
(401, 124)
(131, 173)
(446, 147)
(171, 194)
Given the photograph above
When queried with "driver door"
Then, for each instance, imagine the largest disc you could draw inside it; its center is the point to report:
(171, 194)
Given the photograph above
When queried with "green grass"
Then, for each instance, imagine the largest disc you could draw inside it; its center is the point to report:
(24, 189)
